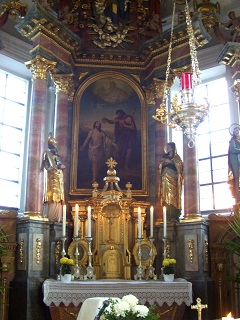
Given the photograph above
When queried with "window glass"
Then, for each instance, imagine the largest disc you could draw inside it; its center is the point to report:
(206, 198)
(13, 109)
(213, 140)
(223, 197)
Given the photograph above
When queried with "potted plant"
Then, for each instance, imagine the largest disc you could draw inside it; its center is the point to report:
(66, 269)
(234, 245)
(128, 308)
(168, 269)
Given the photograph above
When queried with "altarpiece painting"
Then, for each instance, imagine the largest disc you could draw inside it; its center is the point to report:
(109, 120)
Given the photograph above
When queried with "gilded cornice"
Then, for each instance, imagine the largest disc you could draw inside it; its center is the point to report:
(62, 65)
(66, 47)
(39, 20)
(230, 55)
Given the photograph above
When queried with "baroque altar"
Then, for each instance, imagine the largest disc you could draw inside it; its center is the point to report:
(109, 233)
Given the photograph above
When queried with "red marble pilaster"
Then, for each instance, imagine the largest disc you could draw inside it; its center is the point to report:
(63, 84)
(62, 126)
(191, 182)
(34, 193)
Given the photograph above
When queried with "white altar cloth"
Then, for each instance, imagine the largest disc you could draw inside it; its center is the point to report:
(160, 292)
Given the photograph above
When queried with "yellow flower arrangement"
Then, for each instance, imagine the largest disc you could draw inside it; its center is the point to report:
(67, 264)
(169, 265)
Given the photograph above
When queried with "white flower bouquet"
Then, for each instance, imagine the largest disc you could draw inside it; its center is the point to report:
(128, 308)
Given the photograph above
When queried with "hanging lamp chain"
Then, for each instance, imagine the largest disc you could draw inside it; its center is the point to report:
(166, 86)
(192, 45)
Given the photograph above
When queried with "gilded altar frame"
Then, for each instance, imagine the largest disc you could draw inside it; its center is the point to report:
(86, 112)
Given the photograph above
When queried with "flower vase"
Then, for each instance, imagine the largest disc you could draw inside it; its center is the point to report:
(66, 278)
(168, 277)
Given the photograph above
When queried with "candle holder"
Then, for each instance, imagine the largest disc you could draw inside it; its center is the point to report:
(90, 270)
(164, 247)
(63, 252)
(76, 254)
(63, 239)
(150, 270)
(140, 270)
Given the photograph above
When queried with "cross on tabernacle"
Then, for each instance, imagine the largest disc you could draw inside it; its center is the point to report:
(199, 308)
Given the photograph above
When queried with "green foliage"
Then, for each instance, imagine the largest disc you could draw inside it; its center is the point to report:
(169, 266)
(234, 245)
(66, 265)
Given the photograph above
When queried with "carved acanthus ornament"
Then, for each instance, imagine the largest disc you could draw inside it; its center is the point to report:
(191, 250)
(62, 82)
(109, 32)
(57, 249)
(21, 250)
(38, 250)
(235, 88)
(40, 67)
(14, 8)
(149, 93)
(208, 12)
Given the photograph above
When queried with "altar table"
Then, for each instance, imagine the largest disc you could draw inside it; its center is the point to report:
(65, 299)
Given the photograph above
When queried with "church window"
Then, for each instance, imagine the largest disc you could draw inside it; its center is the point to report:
(13, 111)
(213, 139)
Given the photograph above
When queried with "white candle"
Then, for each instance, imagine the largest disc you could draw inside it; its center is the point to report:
(151, 221)
(89, 222)
(139, 223)
(228, 317)
(76, 220)
(64, 221)
(164, 222)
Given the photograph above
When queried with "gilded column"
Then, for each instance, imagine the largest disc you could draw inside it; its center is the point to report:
(191, 182)
(34, 193)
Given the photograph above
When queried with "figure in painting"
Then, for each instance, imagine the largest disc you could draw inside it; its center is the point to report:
(234, 161)
(53, 182)
(171, 180)
(99, 147)
(125, 136)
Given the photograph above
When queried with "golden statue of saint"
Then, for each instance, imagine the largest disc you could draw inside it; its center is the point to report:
(53, 182)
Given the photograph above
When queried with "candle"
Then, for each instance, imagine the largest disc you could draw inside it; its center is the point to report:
(89, 222)
(139, 223)
(186, 80)
(76, 220)
(164, 222)
(64, 221)
(151, 221)
(228, 317)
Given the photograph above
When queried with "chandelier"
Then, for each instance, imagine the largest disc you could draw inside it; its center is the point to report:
(186, 115)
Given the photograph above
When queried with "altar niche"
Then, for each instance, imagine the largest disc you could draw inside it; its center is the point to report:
(114, 228)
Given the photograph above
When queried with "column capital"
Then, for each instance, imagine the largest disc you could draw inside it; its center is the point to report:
(235, 88)
(158, 85)
(40, 67)
(62, 82)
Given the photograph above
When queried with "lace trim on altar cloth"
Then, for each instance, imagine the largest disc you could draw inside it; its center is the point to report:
(159, 292)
